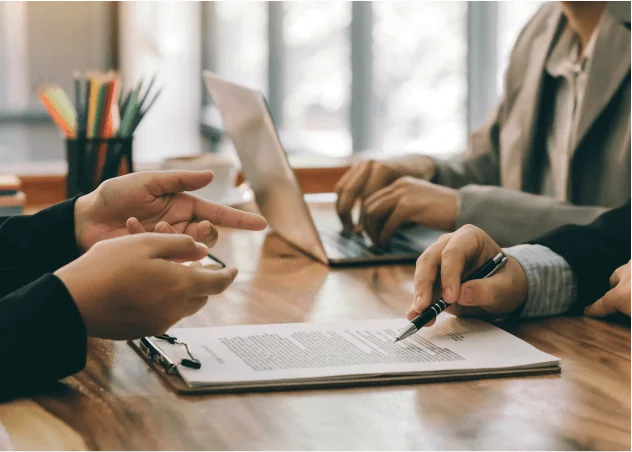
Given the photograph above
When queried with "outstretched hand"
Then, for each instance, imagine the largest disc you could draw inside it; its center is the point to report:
(156, 199)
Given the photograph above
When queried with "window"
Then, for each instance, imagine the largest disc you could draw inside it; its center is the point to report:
(317, 76)
(417, 97)
(14, 89)
(44, 41)
(420, 76)
(340, 76)
(164, 39)
(241, 49)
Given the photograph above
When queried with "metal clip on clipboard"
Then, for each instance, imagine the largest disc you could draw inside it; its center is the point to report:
(156, 355)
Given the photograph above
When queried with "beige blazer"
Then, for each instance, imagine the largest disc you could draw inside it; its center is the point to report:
(499, 176)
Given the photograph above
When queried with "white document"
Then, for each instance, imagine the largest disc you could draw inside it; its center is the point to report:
(267, 355)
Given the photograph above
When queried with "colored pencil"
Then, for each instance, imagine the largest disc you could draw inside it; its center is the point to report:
(101, 109)
(95, 87)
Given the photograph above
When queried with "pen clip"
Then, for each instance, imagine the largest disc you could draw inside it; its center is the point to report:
(500, 265)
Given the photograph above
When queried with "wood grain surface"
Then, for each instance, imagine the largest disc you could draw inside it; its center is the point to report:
(118, 403)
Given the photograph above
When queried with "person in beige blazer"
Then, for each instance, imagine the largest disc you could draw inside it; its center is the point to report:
(555, 150)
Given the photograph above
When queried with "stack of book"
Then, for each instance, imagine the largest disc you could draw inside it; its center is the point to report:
(11, 198)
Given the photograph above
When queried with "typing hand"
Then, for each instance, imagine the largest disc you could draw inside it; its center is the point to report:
(129, 287)
(455, 256)
(154, 198)
(617, 299)
(367, 177)
(408, 200)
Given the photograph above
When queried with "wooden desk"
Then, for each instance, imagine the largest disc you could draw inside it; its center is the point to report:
(118, 403)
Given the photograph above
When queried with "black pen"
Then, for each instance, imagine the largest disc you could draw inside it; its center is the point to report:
(484, 271)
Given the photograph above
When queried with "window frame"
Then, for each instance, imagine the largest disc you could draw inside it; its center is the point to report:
(482, 63)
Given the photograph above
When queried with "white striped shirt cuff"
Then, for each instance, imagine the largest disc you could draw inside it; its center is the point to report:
(552, 286)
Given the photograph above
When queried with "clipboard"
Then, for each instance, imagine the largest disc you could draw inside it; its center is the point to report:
(167, 368)
(160, 362)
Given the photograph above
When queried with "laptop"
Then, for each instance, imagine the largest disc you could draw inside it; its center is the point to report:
(247, 121)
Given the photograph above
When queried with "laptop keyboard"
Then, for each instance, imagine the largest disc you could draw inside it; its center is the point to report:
(347, 245)
(338, 244)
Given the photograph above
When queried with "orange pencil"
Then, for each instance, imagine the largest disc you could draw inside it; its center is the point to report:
(114, 116)
(56, 115)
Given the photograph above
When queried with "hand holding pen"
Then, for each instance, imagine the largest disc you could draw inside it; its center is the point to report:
(453, 258)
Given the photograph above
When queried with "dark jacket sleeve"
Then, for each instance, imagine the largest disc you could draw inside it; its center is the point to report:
(593, 251)
(42, 337)
(31, 246)
(42, 334)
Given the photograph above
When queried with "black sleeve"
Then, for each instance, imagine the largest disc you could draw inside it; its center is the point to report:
(593, 251)
(42, 334)
(42, 337)
(31, 246)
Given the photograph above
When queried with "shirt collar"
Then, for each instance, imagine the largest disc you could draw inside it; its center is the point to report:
(565, 56)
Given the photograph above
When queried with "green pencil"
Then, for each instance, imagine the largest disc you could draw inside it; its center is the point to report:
(98, 113)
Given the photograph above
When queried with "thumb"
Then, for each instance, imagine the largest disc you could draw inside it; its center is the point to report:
(599, 308)
(479, 293)
(174, 247)
(161, 183)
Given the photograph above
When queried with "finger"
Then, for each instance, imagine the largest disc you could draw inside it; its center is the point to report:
(347, 221)
(345, 217)
(210, 282)
(371, 204)
(399, 216)
(361, 220)
(134, 226)
(352, 177)
(377, 213)
(411, 314)
(375, 197)
(345, 213)
(203, 232)
(601, 307)
(468, 311)
(379, 178)
(193, 305)
(207, 233)
(481, 292)
(349, 193)
(454, 309)
(426, 274)
(338, 186)
(172, 247)
(615, 277)
(436, 294)
(225, 216)
(374, 189)
(462, 251)
(160, 183)
(164, 228)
